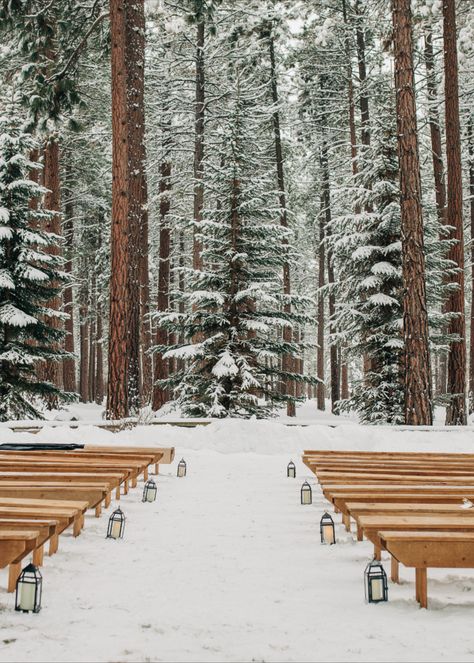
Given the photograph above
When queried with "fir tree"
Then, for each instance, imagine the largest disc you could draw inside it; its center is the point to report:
(29, 278)
(233, 344)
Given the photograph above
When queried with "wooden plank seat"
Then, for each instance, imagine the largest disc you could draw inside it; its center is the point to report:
(354, 478)
(65, 517)
(93, 495)
(16, 544)
(410, 470)
(429, 549)
(371, 525)
(356, 509)
(139, 462)
(76, 508)
(113, 479)
(46, 530)
(82, 467)
(164, 455)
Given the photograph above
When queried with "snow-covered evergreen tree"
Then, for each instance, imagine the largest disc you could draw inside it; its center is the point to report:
(366, 246)
(29, 278)
(232, 349)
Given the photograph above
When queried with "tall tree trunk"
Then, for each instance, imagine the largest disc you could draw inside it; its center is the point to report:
(287, 361)
(99, 371)
(456, 413)
(199, 143)
(333, 349)
(52, 372)
(438, 168)
(84, 346)
(321, 387)
(137, 202)
(160, 394)
(418, 399)
(470, 132)
(69, 364)
(119, 317)
(363, 94)
(92, 359)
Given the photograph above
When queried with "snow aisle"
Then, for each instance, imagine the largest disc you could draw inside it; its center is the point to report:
(227, 566)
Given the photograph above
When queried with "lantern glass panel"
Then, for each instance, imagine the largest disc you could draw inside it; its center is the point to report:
(181, 468)
(291, 470)
(28, 590)
(149, 491)
(306, 494)
(328, 536)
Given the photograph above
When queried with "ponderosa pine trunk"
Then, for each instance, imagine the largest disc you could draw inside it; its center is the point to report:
(99, 370)
(438, 167)
(199, 111)
(321, 387)
(84, 348)
(160, 394)
(418, 401)
(287, 360)
(333, 349)
(470, 132)
(456, 412)
(137, 192)
(118, 359)
(51, 181)
(69, 364)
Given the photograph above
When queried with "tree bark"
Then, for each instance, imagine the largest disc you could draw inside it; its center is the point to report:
(321, 387)
(119, 317)
(69, 364)
(287, 360)
(160, 394)
(418, 401)
(470, 132)
(99, 371)
(456, 412)
(333, 349)
(199, 143)
(84, 343)
(52, 372)
(438, 167)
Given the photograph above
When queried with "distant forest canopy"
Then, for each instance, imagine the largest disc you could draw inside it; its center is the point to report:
(228, 207)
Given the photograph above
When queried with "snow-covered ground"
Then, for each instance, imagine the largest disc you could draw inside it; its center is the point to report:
(226, 565)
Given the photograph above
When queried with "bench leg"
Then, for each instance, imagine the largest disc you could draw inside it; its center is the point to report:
(422, 587)
(108, 499)
(157, 468)
(377, 553)
(360, 533)
(125, 487)
(395, 570)
(346, 519)
(98, 510)
(53, 544)
(117, 492)
(76, 528)
(145, 474)
(38, 556)
(14, 571)
(133, 482)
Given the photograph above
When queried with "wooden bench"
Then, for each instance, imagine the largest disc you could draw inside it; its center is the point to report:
(424, 549)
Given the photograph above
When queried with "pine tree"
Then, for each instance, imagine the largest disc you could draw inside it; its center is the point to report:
(232, 330)
(29, 277)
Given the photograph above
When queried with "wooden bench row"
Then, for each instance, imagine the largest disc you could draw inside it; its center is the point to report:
(44, 492)
(408, 504)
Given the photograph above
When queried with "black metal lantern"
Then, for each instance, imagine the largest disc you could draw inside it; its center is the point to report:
(376, 585)
(28, 590)
(326, 528)
(181, 472)
(149, 491)
(116, 525)
(306, 494)
(291, 470)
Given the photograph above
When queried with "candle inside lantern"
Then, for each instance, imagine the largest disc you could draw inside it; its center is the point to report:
(151, 494)
(376, 586)
(328, 534)
(115, 532)
(27, 596)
